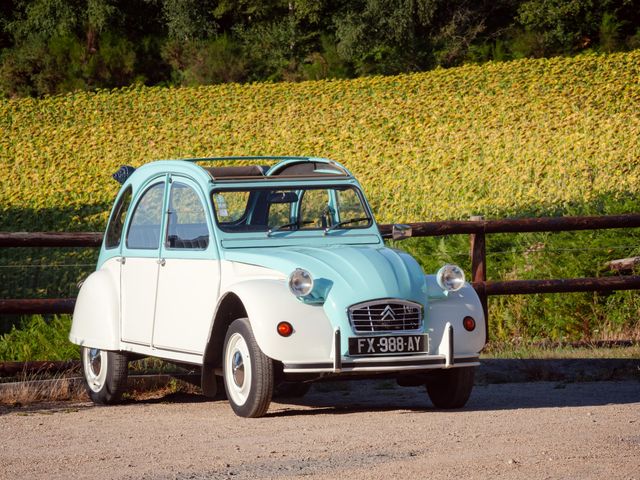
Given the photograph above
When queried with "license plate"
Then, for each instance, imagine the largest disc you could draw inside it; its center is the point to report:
(388, 345)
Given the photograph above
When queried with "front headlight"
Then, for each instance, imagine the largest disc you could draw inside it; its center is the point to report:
(300, 282)
(450, 278)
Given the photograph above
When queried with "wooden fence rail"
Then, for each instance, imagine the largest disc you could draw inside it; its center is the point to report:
(36, 306)
(477, 228)
(478, 225)
(50, 239)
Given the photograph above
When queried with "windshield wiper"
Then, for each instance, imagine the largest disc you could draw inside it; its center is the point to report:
(286, 225)
(346, 222)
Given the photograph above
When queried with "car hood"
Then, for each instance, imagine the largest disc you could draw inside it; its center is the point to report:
(351, 274)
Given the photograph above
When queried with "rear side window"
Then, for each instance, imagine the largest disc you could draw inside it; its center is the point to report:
(144, 228)
(114, 230)
(187, 219)
(230, 206)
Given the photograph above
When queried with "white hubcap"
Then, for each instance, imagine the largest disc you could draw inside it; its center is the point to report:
(237, 369)
(94, 364)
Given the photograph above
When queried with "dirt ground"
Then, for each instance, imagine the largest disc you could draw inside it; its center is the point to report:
(355, 430)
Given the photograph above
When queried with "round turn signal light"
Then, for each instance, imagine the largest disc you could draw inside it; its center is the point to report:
(285, 329)
(469, 324)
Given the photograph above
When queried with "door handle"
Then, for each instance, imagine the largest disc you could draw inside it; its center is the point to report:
(162, 262)
(122, 260)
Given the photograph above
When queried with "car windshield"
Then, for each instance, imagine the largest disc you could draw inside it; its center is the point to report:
(290, 209)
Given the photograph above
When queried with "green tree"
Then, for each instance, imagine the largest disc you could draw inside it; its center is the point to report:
(52, 46)
(385, 36)
(65, 45)
(392, 36)
(282, 38)
(205, 62)
(6, 15)
(189, 19)
(563, 26)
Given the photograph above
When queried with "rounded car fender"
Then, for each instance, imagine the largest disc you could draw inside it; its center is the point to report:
(269, 302)
(96, 316)
(452, 309)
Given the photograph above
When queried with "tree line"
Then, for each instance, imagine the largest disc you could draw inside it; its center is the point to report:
(56, 46)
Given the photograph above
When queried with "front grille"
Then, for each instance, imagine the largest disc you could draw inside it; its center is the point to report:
(385, 316)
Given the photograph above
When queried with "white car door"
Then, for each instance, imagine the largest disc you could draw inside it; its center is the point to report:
(139, 269)
(189, 277)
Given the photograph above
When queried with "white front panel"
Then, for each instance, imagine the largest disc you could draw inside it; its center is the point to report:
(187, 298)
(96, 317)
(268, 301)
(138, 277)
(452, 309)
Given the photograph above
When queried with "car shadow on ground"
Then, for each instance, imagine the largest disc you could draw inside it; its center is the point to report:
(501, 384)
(176, 397)
(373, 396)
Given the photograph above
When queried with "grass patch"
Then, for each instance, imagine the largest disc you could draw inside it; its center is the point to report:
(34, 390)
(509, 350)
(39, 339)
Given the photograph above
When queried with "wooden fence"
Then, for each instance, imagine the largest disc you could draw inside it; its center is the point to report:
(477, 229)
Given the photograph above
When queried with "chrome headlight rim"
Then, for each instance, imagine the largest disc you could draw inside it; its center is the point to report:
(300, 282)
(450, 278)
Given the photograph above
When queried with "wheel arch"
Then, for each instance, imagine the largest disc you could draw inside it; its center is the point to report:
(229, 308)
(265, 303)
(96, 316)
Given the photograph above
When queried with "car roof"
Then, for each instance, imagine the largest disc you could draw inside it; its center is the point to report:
(286, 168)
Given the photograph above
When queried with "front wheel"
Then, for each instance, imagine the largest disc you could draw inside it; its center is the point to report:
(105, 374)
(248, 373)
(451, 388)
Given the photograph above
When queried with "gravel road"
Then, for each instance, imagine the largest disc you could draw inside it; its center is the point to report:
(355, 430)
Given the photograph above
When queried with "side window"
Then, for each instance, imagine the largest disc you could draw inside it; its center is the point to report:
(314, 209)
(230, 206)
(187, 219)
(144, 228)
(114, 230)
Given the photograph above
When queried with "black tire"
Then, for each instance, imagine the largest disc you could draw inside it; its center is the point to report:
(241, 358)
(291, 390)
(105, 374)
(451, 388)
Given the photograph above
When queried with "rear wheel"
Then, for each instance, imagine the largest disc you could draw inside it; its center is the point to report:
(451, 388)
(248, 373)
(105, 374)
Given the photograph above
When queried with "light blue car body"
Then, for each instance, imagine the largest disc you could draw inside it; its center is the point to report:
(348, 266)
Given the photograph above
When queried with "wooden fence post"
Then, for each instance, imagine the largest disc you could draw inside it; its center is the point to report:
(479, 269)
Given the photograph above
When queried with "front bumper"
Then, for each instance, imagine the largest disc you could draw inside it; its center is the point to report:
(383, 364)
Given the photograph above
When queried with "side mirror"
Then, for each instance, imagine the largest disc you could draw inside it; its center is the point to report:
(400, 232)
